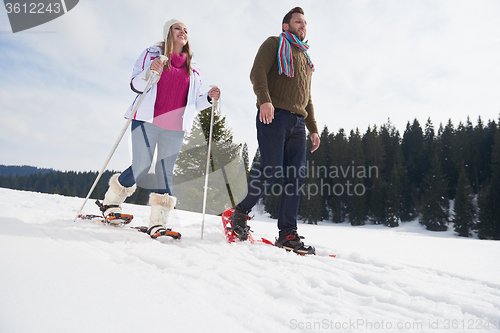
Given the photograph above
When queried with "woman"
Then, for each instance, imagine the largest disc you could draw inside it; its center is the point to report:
(165, 114)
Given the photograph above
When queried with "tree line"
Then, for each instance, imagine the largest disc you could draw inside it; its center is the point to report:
(383, 177)
(379, 177)
(68, 183)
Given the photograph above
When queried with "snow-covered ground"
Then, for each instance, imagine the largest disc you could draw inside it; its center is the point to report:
(63, 276)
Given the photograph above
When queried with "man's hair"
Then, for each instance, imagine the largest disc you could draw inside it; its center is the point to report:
(288, 15)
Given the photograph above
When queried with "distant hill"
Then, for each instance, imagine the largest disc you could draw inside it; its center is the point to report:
(23, 170)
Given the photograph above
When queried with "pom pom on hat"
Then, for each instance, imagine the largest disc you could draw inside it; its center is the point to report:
(167, 26)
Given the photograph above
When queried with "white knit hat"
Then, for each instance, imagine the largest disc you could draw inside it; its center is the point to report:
(167, 26)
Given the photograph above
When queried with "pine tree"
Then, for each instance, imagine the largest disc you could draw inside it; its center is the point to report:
(391, 141)
(489, 208)
(478, 153)
(471, 134)
(435, 211)
(428, 147)
(400, 203)
(395, 197)
(464, 211)
(227, 178)
(446, 146)
(355, 186)
(338, 152)
(462, 151)
(412, 146)
(373, 148)
(375, 154)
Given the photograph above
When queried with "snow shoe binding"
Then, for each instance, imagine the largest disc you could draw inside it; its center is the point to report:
(229, 230)
(293, 242)
(240, 228)
(116, 219)
(159, 230)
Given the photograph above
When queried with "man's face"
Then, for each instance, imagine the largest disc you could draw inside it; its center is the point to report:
(297, 26)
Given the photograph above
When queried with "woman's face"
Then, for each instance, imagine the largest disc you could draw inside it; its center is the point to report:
(179, 34)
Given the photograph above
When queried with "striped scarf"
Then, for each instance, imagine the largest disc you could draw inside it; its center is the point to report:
(285, 61)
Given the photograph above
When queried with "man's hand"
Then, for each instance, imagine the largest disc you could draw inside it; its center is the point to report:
(266, 113)
(315, 141)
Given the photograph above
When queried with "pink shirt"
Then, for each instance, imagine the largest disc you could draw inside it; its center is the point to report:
(171, 96)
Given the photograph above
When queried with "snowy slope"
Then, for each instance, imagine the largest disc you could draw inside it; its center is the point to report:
(60, 276)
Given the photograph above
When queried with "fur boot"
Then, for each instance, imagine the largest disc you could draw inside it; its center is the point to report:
(116, 195)
(161, 205)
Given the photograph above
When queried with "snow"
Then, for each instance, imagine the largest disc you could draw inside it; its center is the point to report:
(63, 276)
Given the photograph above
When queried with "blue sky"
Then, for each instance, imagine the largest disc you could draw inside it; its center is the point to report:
(65, 84)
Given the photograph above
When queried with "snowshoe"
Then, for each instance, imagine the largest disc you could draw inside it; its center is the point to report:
(118, 219)
(293, 242)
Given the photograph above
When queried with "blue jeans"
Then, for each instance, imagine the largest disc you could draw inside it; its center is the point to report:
(282, 145)
(147, 137)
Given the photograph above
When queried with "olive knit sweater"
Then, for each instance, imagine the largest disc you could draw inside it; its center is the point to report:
(288, 93)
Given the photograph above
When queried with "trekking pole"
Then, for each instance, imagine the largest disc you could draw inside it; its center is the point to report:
(205, 188)
(152, 81)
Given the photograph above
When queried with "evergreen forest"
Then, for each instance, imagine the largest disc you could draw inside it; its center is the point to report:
(386, 177)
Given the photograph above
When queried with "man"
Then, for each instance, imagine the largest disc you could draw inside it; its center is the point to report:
(281, 78)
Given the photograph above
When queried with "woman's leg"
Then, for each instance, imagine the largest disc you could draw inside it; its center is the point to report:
(169, 146)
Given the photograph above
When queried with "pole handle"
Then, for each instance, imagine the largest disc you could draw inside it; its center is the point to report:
(215, 103)
(163, 59)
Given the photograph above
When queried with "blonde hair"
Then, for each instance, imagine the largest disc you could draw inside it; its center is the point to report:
(167, 49)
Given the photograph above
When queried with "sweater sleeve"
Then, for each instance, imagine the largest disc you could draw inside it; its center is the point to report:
(310, 121)
(141, 72)
(264, 60)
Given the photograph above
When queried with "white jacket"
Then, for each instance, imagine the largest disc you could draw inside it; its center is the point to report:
(195, 100)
